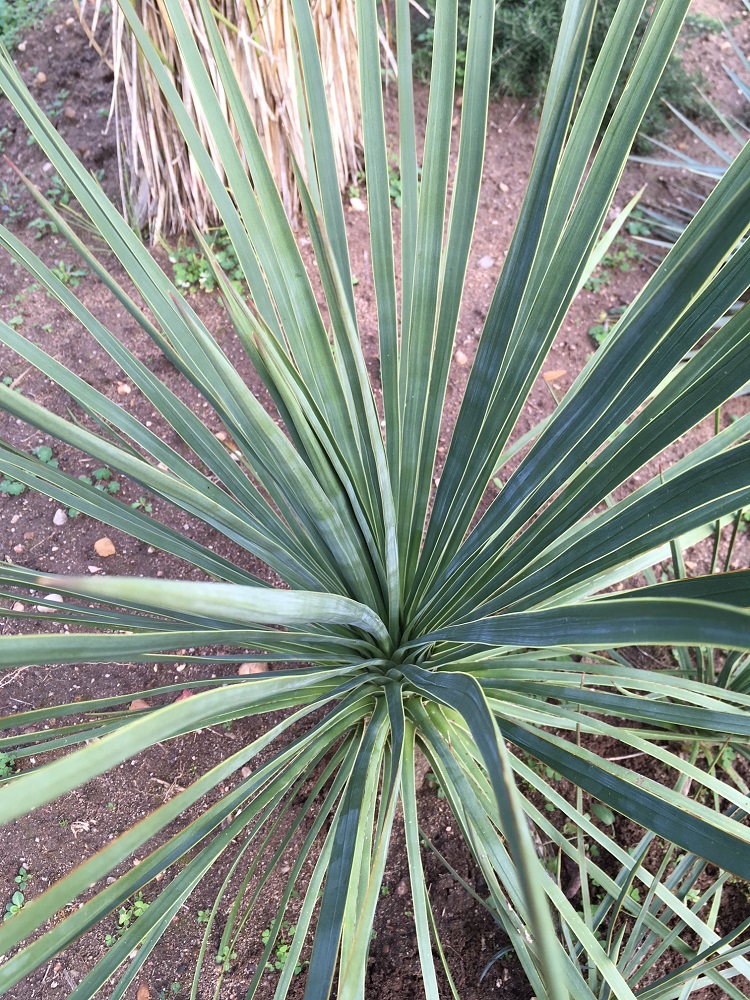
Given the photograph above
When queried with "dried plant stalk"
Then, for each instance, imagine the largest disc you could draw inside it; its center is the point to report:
(161, 184)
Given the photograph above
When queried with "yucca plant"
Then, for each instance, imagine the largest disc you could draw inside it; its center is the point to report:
(413, 612)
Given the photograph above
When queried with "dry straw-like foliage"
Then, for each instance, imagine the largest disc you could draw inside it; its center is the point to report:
(161, 184)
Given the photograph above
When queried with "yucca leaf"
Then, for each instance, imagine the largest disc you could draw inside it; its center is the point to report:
(340, 874)
(227, 602)
(409, 217)
(39, 787)
(427, 341)
(517, 336)
(647, 519)
(608, 624)
(107, 859)
(464, 695)
(673, 816)
(420, 899)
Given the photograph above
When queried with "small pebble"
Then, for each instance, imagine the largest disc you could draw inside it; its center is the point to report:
(252, 668)
(104, 547)
(55, 598)
(40, 78)
(60, 518)
(461, 358)
(486, 262)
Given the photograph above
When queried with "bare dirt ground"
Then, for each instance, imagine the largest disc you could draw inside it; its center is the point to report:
(67, 78)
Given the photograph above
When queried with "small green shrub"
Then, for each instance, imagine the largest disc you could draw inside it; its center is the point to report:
(525, 34)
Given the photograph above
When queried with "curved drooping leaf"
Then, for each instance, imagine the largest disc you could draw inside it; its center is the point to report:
(427, 628)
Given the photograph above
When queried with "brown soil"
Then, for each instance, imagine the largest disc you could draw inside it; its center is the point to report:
(52, 842)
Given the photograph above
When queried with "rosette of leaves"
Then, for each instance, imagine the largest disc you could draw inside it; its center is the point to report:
(420, 625)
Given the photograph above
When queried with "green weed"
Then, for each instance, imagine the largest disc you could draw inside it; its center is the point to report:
(280, 955)
(7, 760)
(11, 206)
(18, 18)
(69, 274)
(16, 903)
(224, 957)
(22, 878)
(192, 271)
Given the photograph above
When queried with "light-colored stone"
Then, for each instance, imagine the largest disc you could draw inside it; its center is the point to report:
(55, 598)
(137, 704)
(40, 78)
(252, 668)
(357, 204)
(104, 547)
(123, 389)
(60, 518)
(461, 358)
(486, 262)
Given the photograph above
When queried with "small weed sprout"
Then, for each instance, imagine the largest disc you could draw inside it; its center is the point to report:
(280, 955)
(224, 957)
(16, 903)
(192, 271)
(22, 878)
(69, 274)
